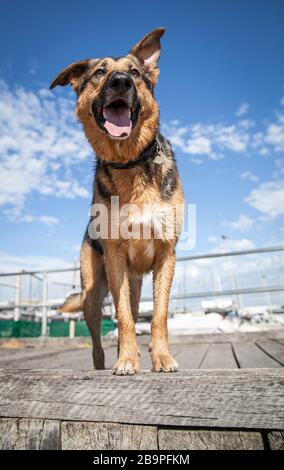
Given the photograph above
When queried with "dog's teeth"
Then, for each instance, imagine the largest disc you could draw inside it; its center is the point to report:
(129, 112)
(104, 113)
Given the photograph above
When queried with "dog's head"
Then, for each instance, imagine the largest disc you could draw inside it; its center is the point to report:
(115, 100)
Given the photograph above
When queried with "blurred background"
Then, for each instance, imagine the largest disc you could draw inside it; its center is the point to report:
(221, 99)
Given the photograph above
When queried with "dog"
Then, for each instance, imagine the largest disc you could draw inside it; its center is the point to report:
(135, 165)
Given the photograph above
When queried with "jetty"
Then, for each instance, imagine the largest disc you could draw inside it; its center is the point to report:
(228, 394)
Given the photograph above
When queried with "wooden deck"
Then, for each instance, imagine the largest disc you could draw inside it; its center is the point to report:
(229, 394)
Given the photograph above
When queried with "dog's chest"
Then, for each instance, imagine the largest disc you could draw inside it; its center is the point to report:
(141, 255)
(148, 228)
(145, 220)
(149, 220)
(137, 196)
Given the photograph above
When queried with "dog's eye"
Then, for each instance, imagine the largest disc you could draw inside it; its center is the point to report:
(135, 73)
(99, 72)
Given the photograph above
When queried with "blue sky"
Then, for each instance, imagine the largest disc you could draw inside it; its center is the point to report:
(221, 99)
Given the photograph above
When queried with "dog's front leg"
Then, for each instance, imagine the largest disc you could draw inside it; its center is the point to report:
(163, 273)
(118, 278)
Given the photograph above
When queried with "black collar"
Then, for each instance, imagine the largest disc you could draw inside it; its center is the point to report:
(149, 152)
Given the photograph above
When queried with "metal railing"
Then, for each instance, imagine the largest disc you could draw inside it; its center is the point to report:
(226, 274)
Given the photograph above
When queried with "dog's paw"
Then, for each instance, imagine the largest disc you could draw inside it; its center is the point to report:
(126, 366)
(164, 363)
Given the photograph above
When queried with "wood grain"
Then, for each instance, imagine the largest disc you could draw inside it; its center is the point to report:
(219, 356)
(29, 434)
(107, 436)
(273, 349)
(108, 341)
(215, 398)
(276, 440)
(190, 356)
(249, 355)
(209, 440)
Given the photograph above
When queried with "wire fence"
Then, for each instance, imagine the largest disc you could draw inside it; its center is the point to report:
(236, 280)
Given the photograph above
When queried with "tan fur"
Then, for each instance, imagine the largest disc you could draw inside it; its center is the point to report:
(125, 261)
(94, 290)
(72, 304)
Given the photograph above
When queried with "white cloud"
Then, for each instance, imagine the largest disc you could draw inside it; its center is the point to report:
(271, 139)
(243, 223)
(275, 134)
(45, 219)
(268, 198)
(235, 245)
(176, 133)
(247, 123)
(279, 172)
(11, 263)
(231, 138)
(40, 146)
(212, 239)
(198, 145)
(213, 141)
(248, 175)
(242, 110)
(282, 101)
(209, 140)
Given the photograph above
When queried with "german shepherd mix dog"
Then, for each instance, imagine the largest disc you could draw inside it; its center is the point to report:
(136, 166)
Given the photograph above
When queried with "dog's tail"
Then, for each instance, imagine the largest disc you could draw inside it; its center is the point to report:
(73, 303)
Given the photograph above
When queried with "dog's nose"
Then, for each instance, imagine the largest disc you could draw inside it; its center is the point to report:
(120, 82)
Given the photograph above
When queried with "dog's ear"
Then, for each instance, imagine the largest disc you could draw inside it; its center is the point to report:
(71, 74)
(148, 52)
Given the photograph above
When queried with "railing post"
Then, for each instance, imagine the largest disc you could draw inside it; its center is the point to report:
(17, 298)
(71, 329)
(44, 305)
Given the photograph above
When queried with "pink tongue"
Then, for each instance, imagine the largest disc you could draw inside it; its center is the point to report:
(118, 121)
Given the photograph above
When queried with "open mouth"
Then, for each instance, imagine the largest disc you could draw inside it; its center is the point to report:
(116, 118)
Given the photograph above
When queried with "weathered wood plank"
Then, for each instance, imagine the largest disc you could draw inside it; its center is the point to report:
(85, 342)
(273, 348)
(110, 357)
(80, 359)
(277, 334)
(10, 358)
(215, 398)
(77, 359)
(190, 356)
(219, 356)
(276, 440)
(176, 439)
(29, 434)
(251, 356)
(107, 436)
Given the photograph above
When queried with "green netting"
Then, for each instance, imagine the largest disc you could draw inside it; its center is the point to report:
(58, 328)
(107, 326)
(6, 328)
(81, 328)
(26, 328)
(19, 329)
